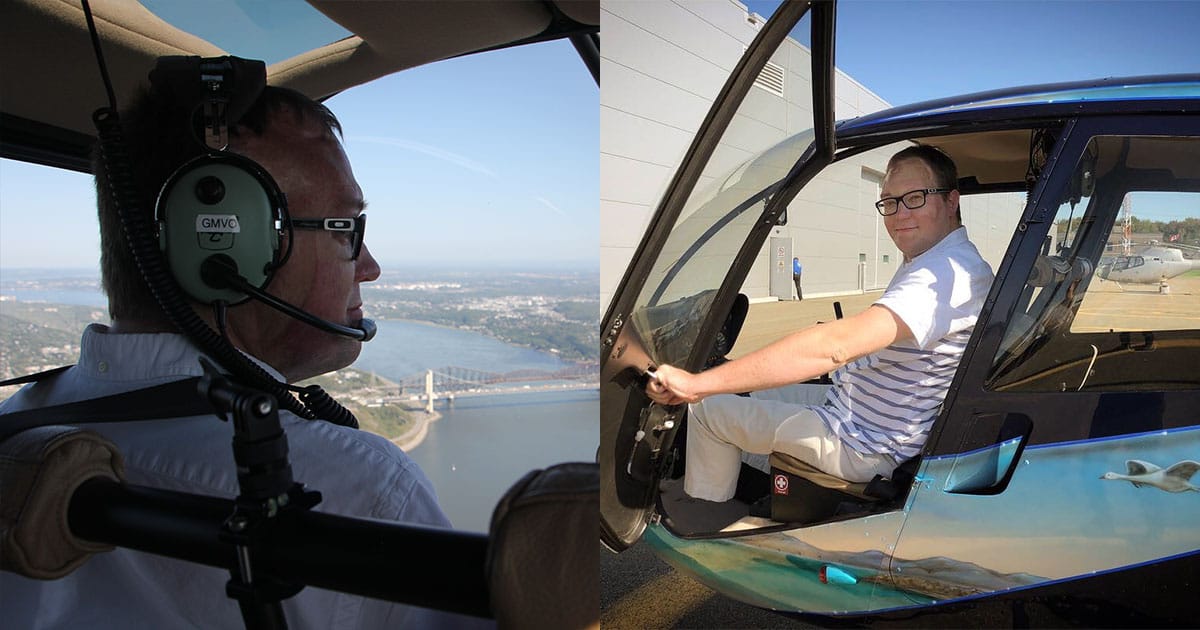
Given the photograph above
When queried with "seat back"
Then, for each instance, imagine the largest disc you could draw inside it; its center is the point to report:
(543, 558)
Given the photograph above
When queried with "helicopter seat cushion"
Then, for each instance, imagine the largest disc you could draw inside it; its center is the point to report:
(784, 463)
(802, 493)
(40, 469)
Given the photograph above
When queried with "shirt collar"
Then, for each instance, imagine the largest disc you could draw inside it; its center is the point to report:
(957, 237)
(143, 356)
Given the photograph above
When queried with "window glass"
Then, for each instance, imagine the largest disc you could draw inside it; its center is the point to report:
(765, 138)
(1113, 302)
(1150, 271)
(49, 268)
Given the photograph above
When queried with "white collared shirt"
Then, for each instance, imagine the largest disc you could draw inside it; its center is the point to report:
(886, 402)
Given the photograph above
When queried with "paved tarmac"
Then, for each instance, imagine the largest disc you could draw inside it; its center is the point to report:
(1135, 307)
(768, 321)
(1107, 306)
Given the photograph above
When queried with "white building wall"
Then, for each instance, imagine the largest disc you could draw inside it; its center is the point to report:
(662, 64)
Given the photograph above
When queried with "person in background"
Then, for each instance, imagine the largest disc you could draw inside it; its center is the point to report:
(797, 271)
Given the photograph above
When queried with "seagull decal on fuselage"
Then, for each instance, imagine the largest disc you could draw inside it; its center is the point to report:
(1174, 478)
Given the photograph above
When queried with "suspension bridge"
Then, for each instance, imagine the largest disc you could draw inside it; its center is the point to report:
(452, 382)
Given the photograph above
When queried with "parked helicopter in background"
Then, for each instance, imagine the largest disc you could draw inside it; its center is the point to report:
(1155, 264)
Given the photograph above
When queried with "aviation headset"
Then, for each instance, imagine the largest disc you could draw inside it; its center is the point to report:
(218, 218)
(218, 208)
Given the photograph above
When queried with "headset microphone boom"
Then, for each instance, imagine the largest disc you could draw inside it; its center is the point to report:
(220, 271)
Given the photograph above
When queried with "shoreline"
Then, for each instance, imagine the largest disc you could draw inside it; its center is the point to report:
(415, 410)
(583, 361)
(413, 437)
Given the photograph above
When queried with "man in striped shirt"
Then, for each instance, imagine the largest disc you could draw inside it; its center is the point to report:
(892, 363)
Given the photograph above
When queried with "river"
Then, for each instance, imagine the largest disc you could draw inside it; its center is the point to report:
(481, 445)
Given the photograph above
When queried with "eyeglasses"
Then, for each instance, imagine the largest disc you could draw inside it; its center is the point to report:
(912, 200)
(352, 227)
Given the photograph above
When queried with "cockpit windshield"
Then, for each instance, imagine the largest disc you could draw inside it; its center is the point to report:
(708, 236)
(768, 134)
(1117, 275)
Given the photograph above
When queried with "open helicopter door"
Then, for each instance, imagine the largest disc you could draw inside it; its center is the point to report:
(681, 286)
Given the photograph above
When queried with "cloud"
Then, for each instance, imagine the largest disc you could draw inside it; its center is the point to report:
(546, 202)
(453, 158)
(441, 154)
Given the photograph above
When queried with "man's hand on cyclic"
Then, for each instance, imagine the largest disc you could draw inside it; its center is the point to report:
(672, 386)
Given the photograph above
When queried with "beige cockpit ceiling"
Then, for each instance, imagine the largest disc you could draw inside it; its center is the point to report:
(50, 83)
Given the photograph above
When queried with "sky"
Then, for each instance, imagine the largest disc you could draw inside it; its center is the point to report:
(482, 161)
(494, 159)
(908, 52)
(913, 51)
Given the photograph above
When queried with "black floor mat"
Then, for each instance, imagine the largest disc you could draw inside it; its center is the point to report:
(687, 515)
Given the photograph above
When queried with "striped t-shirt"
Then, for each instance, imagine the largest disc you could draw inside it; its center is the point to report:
(886, 402)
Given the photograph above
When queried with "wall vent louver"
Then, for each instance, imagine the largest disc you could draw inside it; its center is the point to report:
(770, 78)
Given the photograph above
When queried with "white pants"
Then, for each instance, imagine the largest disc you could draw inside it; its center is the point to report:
(722, 428)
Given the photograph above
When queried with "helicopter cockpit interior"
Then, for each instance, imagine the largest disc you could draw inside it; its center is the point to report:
(1050, 335)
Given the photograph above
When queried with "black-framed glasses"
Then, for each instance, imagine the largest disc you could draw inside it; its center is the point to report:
(351, 227)
(912, 200)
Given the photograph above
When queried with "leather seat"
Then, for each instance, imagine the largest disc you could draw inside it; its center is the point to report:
(801, 493)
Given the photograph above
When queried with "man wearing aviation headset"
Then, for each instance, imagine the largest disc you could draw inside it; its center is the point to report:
(296, 141)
